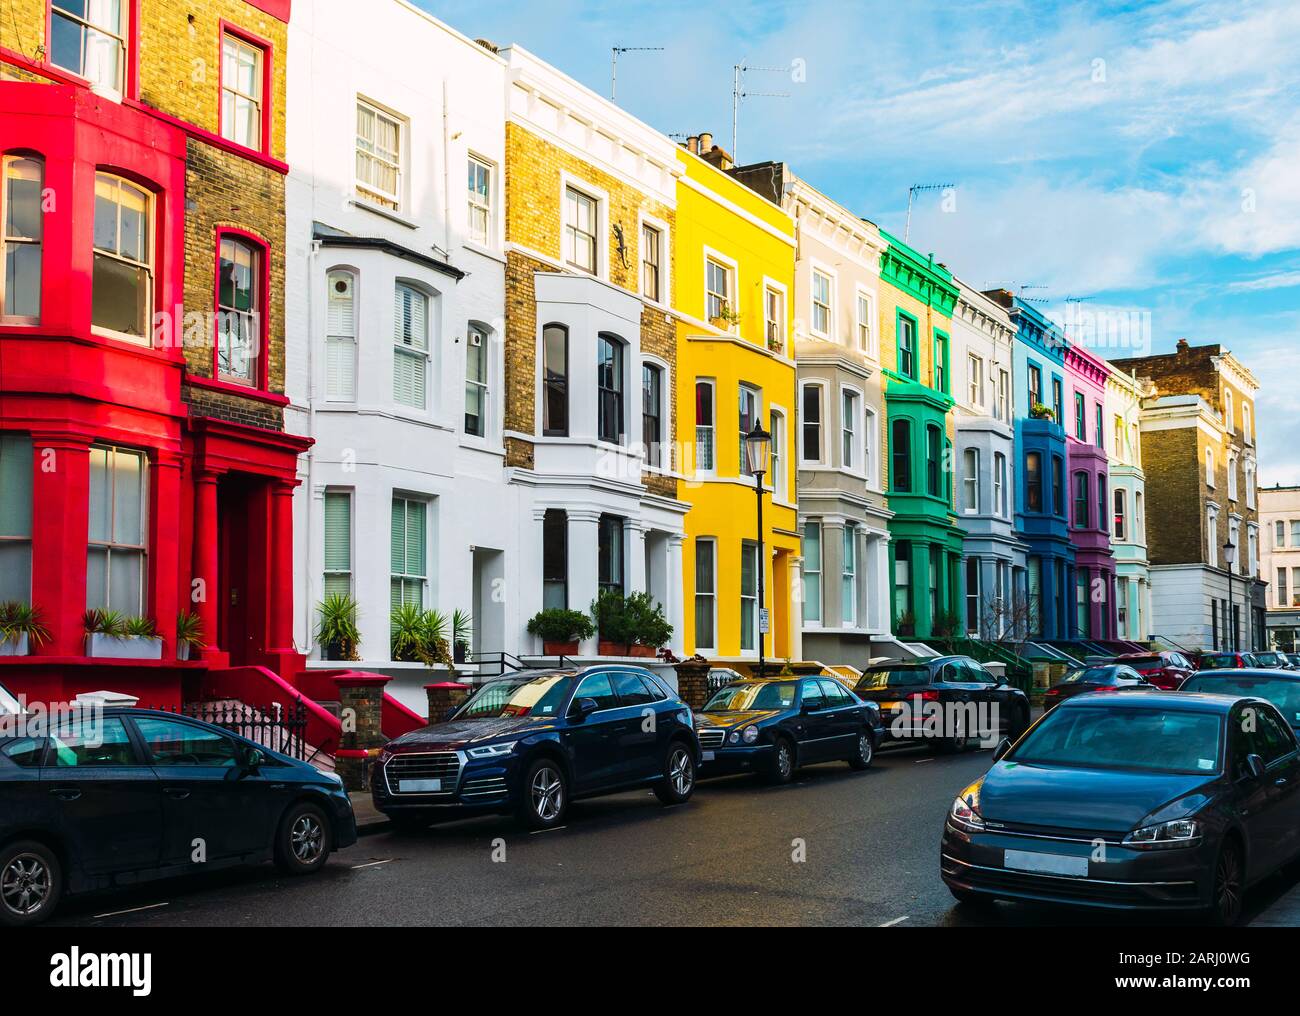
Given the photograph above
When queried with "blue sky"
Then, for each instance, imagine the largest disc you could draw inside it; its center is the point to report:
(1143, 158)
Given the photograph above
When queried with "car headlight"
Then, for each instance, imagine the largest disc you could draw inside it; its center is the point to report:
(749, 735)
(1181, 832)
(493, 750)
(965, 810)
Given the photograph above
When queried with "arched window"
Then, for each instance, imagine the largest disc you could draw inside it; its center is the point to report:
(123, 273)
(20, 239)
(610, 425)
(933, 450)
(341, 336)
(240, 303)
(1209, 467)
(410, 346)
(652, 413)
(900, 470)
(477, 366)
(555, 381)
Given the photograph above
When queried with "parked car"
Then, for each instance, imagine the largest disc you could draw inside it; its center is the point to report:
(1270, 660)
(124, 795)
(1164, 670)
(771, 727)
(1282, 688)
(911, 695)
(1110, 677)
(531, 742)
(1160, 801)
(1226, 661)
(1295, 660)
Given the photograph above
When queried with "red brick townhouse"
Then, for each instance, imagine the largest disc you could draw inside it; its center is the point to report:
(144, 466)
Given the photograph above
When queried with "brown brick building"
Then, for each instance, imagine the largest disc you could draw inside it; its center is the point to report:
(1199, 452)
(590, 352)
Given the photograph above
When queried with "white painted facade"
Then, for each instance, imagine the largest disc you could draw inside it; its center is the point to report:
(386, 108)
(1128, 522)
(577, 473)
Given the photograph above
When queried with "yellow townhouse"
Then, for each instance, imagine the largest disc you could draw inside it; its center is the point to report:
(735, 260)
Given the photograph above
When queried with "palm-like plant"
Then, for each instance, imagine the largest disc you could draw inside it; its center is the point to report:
(189, 630)
(102, 621)
(18, 619)
(337, 632)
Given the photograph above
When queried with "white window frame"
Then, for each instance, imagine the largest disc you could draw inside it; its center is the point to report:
(1212, 537)
(477, 206)
(659, 464)
(112, 90)
(228, 88)
(970, 481)
(665, 260)
(812, 571)
(1209, 468)
(712, 468)
(775, 328)
(485, 385)
(345, 343)
(827, 333)
(852, 430)
(778, 482)
(870, 446)
(804, 457)
(411, 350)
(369, 192)
(748, 603)
(731, 276)
(1229, 411)
(746, 388)
(147, 264)
(1004, 395)
(350, 572)
(422, 577)
(1247, 424)
(866, 328)
(849, 577)
(975, 380)
(1001, 505)
(1232, 477)
(1249, 472)
(711, 595)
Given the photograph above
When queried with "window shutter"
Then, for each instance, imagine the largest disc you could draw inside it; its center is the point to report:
(415, 555)
(341, 368)
(397, 544)
(338, 532)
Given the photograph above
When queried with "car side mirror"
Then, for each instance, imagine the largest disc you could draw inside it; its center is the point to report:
(1003, 747)
(582, 708)
(808, 707)
(1255, 766)
(253, 758)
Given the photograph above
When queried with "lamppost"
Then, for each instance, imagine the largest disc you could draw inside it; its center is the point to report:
(758, 453)
(1230, 557)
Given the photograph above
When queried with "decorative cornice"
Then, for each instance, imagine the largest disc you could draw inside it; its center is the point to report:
(905, 269)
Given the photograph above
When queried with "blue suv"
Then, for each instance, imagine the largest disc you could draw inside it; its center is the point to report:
(530, 743)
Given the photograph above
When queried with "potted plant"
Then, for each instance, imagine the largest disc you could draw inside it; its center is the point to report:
(726, 318)
(609, 609)
(111, 635)
(189, 635)
(420, 636)
(1038, 411)
(21, 628)
(560, 630)
(337, 633)
(462, 630)
(907, 624)
(645, 624)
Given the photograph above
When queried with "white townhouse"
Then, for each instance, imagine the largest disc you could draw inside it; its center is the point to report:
(395, 299)
(996, 559)
(1128, 522)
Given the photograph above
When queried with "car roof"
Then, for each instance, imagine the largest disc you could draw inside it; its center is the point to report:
(1188, 701)
(932, 661)
(1285, 675)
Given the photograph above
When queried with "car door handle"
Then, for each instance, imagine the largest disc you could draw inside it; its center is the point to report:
(177, 794)
(66, 793)
(1280, 781)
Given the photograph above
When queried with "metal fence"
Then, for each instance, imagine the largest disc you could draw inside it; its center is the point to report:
(280, 728)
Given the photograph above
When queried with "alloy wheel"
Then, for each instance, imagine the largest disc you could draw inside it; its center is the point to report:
(1227, 885)
(681, 771)
(547, 794)
(307, 839)
(784, 761)
(864, 749)
(25, 884)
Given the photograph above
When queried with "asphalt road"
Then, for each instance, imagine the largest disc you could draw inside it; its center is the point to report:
(834, 848)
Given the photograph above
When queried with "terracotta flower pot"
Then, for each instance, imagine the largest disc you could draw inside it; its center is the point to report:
(642, 652)
(560, 648)
(606, 648)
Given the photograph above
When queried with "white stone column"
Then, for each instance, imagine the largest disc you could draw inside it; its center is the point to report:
(584, 565)
(796, 608)
(532, 585)
(675, 607)
(634, 556)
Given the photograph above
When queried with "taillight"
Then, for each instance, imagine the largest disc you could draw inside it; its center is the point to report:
(1106, 687)
(929, 695)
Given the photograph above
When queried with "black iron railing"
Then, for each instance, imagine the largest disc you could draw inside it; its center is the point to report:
(280, 728)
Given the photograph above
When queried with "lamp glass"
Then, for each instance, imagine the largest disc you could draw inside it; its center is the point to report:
(1230, 553)
(758, 450)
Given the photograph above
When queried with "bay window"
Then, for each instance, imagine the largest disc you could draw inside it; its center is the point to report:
(970, 483)
(239, 310)
(1121, 514)
(1000, 484)
(1034, 482)
(609, 389)
(1082, 501)
(749, 565)
(973, 595)
(900, 473)
(555, 381)
(555, 559)
(849, 402)
(849, 577)
(812, 571)
(704, 423)
(20, 239)
(117, 543)
(652, 413)
(338, 543)
(933, 465)
(776, 425)
(123, 271)
(812, 424)
(15, 518)
(706, 594)
(750, 402)
(410, 346)
(408, 551)
(609, 554)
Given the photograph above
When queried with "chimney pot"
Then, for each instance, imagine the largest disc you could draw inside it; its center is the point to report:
(706, 143)
(1183, 346)
(693, 144)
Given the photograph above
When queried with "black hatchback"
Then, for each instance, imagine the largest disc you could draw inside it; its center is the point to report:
(771, 727)
(113, 797)
(532, 742)
(954, 701)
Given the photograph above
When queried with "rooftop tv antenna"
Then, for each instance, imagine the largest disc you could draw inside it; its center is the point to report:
(613, 66)
(739, 94)
(920, 188)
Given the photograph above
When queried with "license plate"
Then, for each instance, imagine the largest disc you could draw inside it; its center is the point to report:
(1049, 864)
(708, 756)
(419, 786)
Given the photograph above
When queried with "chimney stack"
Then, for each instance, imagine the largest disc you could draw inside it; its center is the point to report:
(693, 144)
(706, 144)
(1183, 347)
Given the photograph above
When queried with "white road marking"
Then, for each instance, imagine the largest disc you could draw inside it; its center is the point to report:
(538, 832)
(134, 910)
(896, 920)
(917, 762)
(372, 864)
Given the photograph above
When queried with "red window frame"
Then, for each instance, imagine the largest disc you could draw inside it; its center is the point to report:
(268, 58)
(260, 384)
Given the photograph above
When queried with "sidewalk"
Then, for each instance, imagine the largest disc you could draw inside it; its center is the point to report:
(369, 821)
(1283, 913)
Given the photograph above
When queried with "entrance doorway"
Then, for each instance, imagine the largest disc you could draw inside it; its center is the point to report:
(243, 552)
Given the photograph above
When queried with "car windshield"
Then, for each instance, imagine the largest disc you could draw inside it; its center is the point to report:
(1212, 660)
(1144, 661)
(1091, 675)
(538, 696)
(744, 697)
(1283, 692)
(1270, 659)
(895, 677)
(1150, 740)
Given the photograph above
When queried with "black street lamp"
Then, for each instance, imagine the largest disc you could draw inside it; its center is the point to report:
(1230, 556)
(758, 454)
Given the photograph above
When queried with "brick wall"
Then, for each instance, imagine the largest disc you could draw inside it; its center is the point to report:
(1175, 510)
